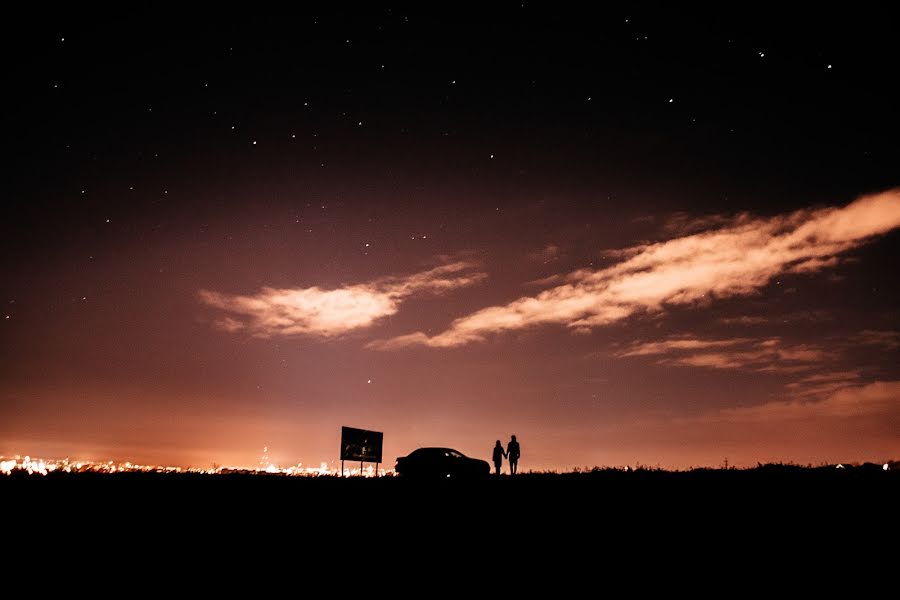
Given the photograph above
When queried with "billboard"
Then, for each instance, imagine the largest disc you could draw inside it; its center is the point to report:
(361, 445)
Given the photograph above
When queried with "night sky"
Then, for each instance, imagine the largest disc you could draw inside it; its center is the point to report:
(630, 236)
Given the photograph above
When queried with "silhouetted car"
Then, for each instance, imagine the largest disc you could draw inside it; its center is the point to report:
(441, 462)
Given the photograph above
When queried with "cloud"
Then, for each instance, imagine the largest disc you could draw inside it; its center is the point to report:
(804, 316)
(823, 384)
(766, 356)
(744, 320)
(834, 376)
(812, 265)
(735, 259)
(545, 281)
(682, 223)
(853, 401)
(329, 312)
(678, 343)
(545, 255)
(888, 340)
(855, 423)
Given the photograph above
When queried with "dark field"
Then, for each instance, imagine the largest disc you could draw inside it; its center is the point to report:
(779, 515)
(775, 491)
(632, 532)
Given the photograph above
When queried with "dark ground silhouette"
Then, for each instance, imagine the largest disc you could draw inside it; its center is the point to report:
(766, 490)
(640, 519)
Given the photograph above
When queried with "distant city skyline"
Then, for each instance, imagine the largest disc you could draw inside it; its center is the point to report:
(34, 465)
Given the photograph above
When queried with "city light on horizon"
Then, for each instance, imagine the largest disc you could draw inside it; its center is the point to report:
(44, 466)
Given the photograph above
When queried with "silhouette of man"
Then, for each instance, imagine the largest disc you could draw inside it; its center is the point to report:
(513, 453)
(499, 453)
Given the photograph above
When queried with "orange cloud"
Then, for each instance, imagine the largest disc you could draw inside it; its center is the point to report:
(805, 316)
(736, 259)
(851, 401)
(823, 383)
(767, 356)
(321, 312)
(858, 422)
(888, 340)
(678, 343)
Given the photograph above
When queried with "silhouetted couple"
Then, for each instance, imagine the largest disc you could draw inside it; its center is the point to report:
(512, 452)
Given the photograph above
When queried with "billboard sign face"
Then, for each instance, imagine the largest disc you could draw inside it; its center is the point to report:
(361, 445)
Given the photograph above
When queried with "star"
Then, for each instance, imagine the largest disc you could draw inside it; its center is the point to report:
(367, 381)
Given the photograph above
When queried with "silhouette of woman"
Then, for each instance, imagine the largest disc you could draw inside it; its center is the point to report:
(513, 453)
(498, 456)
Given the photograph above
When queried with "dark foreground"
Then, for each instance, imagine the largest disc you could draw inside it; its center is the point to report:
(769, 513)
(777, 491)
